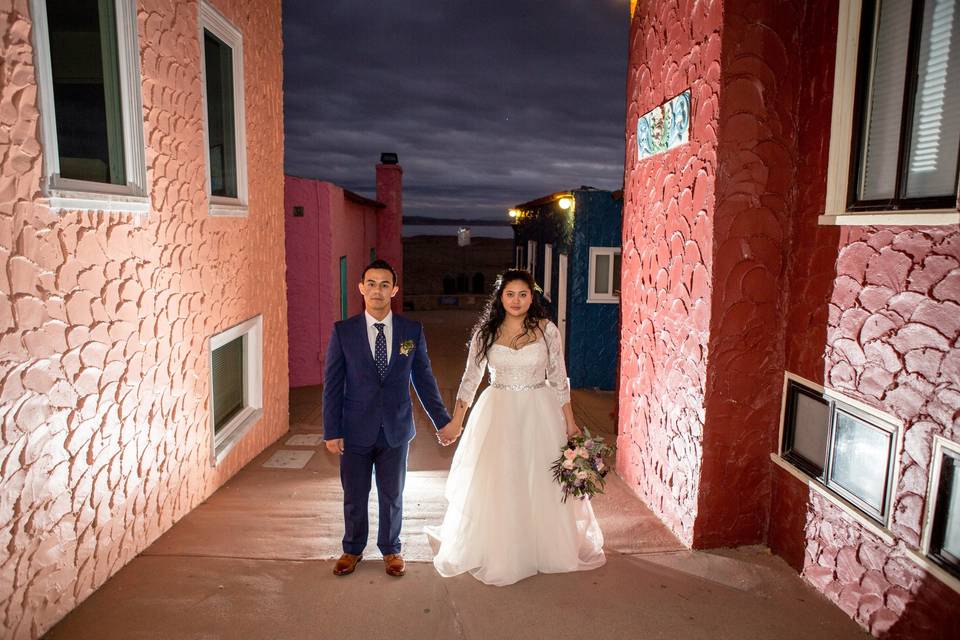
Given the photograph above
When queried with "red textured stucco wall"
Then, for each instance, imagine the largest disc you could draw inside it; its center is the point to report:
(390, 223)
(730, 280)
(104, 320)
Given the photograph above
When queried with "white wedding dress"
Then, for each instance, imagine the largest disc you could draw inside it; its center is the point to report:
(505, 518)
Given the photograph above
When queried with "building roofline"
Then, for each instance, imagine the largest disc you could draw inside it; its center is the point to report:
(616, 195)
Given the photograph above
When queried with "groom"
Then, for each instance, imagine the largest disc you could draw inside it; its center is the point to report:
(368, 414)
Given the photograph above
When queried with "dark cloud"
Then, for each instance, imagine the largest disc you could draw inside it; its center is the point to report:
(487, 102)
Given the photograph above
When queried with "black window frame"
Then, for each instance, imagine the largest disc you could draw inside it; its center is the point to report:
(944, 559)
(851, 498)
(810, 467)
(858, 139)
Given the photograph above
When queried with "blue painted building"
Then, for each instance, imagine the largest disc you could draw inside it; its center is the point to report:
(570, 241)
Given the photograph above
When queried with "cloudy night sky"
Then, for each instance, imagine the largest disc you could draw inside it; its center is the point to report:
(488, 103)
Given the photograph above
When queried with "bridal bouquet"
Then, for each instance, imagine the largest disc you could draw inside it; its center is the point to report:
(580, 469)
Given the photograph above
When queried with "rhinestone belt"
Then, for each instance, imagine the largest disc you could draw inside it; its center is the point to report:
(518, 387)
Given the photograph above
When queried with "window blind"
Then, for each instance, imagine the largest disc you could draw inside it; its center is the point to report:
(228, 369)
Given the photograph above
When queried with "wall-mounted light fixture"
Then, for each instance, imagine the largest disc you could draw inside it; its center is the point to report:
(513, 213)
(565, 203)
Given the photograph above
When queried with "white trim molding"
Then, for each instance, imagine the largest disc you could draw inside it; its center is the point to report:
(252, 333)
(213, 21)
(841, 136)
(933, 489)
(592, 296)
(548, 271)
(64, 194)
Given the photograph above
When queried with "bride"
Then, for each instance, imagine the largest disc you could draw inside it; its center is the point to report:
(505, 520)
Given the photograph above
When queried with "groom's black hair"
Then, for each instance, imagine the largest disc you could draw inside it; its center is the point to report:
(379, 264)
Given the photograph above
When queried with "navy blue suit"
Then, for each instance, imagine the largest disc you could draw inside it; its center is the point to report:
(375, 419)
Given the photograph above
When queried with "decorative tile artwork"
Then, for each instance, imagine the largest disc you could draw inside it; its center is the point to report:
(288, 459)
(664, 127)
(305, 440)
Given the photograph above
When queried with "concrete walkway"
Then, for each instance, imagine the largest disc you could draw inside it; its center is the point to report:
(254, 561)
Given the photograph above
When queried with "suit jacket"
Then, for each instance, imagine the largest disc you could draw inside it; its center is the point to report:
(355, 401)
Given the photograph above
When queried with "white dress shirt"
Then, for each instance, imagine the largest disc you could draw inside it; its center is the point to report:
(387, 332)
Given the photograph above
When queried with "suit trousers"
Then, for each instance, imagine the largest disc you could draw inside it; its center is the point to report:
(389, 466)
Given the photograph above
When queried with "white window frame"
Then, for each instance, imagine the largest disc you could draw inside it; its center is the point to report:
(548, 271)
(594, 297)
(518, 262)
(213, 21)
(231, 433)
(933, 488)
(65, 194)
(841, 137)
(531, 256)
(881, 530)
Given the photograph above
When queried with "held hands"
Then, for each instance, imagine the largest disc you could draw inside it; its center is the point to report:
(449, 434)
(335, 445)
(573, 430)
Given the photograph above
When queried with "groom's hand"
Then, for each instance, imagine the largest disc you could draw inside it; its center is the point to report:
(449, 434)
(335, 445)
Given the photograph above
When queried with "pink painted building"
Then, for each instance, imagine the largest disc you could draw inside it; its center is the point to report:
(331, 235)
(142, 307)
(791, 277)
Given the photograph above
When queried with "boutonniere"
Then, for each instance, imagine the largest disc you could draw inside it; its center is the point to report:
(406, 347)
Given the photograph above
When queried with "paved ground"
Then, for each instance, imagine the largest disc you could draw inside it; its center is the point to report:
(254, 561)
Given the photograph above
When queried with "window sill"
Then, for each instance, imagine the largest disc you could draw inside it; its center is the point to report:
(594, 300)
(228, 209)
(62, 200)
(233, 432)
(881, 532)
(931, 217)
(934, 569)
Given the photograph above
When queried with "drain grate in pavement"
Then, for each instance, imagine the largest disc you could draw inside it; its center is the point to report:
(305, 440)
(287, 459)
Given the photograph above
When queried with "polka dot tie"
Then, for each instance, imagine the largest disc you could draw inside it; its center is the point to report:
(380, 350)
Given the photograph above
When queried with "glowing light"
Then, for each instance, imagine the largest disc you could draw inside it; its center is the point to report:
(565, 203)
(513, 213)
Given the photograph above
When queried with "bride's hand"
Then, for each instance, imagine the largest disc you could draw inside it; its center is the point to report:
(449, 434)
(573, 430)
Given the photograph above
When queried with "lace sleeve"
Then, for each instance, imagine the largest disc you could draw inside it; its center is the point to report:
(473, 373)
(556, 370)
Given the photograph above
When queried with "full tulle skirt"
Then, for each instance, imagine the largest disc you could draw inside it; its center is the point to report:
(505, 519)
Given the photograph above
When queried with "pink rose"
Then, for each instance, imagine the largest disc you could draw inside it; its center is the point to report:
(569, 454)
(567, 464)
(581, 452)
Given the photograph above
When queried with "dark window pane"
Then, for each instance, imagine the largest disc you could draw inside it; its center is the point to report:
(884, 107)
(86, 90)
(806, 429)
(220, 116)
(616, 274)
(860, 461)
(227, 382)
(945, 539)
(935, 135)
(601, 274)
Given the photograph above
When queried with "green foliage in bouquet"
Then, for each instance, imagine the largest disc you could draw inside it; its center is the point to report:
(581, 467)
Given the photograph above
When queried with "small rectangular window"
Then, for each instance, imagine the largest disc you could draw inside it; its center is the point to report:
(228, 374)
(236, 383)
(806, 429)
(944, 545)
(860, 464)
(604, 275)
(88, 78)
(907, 106)
(223, 93)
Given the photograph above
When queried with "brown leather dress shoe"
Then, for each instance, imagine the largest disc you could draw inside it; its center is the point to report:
(346, 564)
(393, 563)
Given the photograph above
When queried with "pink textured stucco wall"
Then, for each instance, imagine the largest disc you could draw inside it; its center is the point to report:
(309, 315)
(104, 422)
(669, 203)
(352, 234)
